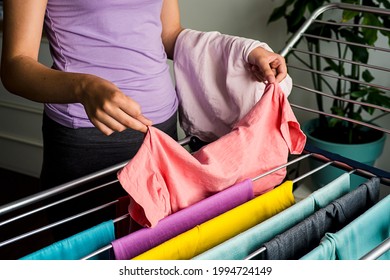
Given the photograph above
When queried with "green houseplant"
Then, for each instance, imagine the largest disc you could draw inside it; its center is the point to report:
(355, 84)
(334, 129)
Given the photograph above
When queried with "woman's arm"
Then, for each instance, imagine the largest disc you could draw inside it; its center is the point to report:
(21, 73)
(171, 26)
(266, 65)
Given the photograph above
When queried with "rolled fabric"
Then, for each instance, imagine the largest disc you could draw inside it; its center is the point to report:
(357, 238)
(144, 239)
(305, 236)
(77, 246)
(211, 233)
(241, 246)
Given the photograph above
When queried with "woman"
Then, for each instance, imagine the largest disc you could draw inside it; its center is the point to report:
(109, 79)
(108, 83)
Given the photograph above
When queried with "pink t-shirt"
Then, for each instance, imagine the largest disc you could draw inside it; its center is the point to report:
(164, 177)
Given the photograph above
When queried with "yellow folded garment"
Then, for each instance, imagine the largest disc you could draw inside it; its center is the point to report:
(219, 229)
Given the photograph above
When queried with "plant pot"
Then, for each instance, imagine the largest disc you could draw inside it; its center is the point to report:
(366, 153)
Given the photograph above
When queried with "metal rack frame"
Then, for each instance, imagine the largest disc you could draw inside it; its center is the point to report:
(295, 46)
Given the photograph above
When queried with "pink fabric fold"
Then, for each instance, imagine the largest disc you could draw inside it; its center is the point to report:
(213, 83)
(164, 177)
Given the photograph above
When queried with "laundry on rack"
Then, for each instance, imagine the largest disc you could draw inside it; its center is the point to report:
(213, 82)
(357, 238)
(211, 233)
(144, 239)
(379, 251)
(78, 245)
(303, 237)
(172, 179)
(241, 246)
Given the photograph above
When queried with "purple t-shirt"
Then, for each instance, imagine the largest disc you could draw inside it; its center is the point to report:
(118, 40)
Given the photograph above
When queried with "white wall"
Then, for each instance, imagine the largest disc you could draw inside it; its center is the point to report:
(20, 129)
(247, 18)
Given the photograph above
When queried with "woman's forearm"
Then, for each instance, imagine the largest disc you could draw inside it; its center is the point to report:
(24, 76)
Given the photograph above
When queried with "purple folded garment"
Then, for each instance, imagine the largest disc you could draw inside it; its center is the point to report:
(138, 242)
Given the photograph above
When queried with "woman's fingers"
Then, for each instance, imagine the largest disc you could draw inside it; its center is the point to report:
(111, 110)
(267, 66)
(280, 68)
(109, 122)
(124, 114)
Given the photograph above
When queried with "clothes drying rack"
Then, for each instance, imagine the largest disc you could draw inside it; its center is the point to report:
(15, 216)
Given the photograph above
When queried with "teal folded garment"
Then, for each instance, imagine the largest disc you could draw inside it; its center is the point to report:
(78, 245)
(242, 245)
(305, 236)
(357, 238)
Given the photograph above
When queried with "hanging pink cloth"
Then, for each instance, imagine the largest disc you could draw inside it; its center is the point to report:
(164, 177)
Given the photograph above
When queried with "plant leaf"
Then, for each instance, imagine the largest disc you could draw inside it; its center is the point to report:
(348, 15)
(359, 53)
(314, 4)
(359, 93)
(297, 16)
(378, 97)
(277, 14)
(339, 111)
(333, 66)
(369, 3)
(333, 122)
(386, 3)
(356, 116)
(370, 34)
(366, 75)
(386, 23)
(351, 1)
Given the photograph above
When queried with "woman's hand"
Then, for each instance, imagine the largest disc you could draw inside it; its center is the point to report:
(109, 109)
(267, 66)
(106, 106)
